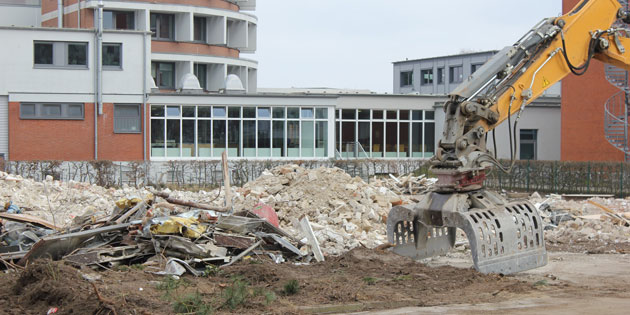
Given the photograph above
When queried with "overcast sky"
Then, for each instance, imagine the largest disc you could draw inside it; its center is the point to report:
(352, 43)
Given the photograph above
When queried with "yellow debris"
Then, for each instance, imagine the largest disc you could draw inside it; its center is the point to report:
(188, 227)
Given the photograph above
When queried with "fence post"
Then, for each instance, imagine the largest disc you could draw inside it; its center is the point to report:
(588, 179)
(621, 180)
(528, 161)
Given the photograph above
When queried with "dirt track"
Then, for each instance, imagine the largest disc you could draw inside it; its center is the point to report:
(362, 280)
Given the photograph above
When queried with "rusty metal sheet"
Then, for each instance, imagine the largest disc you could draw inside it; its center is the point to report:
(25, 218)
(235, 241)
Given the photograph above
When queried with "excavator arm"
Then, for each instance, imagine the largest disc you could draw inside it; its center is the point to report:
(518, 74)
(504, 236)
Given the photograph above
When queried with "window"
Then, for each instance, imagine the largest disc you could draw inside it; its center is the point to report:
(199, 29)
(406, 78)
(163, 74)
(426, 77)
(112, 54)
(118, 20)
(68, 111)
(43, 53)
(474, 67)
(456, 74)
(440, 76)
(127, 118)
(60, 54)
(528, 144)
(162, 26)
(201, 71)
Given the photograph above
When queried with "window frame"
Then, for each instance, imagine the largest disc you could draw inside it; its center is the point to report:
(117, 12)
(139, 117)
(474, 67)
(158, 76)
(452, 74)
(204, 29)
(534, 142)
(159, 19)
(60, 54)
(120, 57)
(429, 81)
(39, 114)
(410, 78)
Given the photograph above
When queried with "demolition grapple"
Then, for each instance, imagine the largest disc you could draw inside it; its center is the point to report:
(504, 237)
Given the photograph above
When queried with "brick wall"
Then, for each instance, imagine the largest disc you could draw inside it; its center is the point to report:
(583, 100)
(70, 140)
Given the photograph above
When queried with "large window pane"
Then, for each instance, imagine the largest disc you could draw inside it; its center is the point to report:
(278, 112)
(264, 112)
(204, 111)
(417, 115)
(111, 55)
(172, 111)
(157, 111)
(203, 138)
(377, 139)
(201, 72)
(218, 137)
(293, 138)
(234, 111)
(392, 115)
(188, 111)
(234, 135)
(429, 139)
(416, 138)
(264, 138)
(172, 137)
(199, 26)
(377, 114)
(43, 53)
(188, 138)
(308, 138)
(278, 138)
(391, 139)
(249, 138)
(403, 139)
(218, 111)
(77, 54)
(348, 138)
(364, 139)
(249, 112)
(348, 114)
(307, 113)
(157, 137)
(404, 115)
(321, 113)
(364, 114)
(429, 115)
(293, 112)
(321, 139)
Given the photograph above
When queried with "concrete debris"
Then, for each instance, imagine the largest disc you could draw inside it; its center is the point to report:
(585, 219)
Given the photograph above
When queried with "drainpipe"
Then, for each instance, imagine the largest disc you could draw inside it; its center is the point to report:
(79, 14)
(60, 13)
(144, 97)
(98, 104)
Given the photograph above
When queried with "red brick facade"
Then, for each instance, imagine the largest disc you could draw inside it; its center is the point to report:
(583, 100)
(70, 140)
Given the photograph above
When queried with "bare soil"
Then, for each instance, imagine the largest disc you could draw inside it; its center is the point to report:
(361, 280)
(370, 279)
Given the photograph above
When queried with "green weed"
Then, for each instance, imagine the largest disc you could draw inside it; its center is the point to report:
(292, 287)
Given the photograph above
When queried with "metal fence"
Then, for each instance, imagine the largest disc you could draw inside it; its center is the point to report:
(564, 177)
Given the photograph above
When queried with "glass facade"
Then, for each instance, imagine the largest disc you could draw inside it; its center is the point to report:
(244, 131)
(204, 131)
(376, 133)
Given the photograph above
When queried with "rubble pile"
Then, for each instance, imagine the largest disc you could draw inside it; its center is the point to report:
(604, 220)
(405, 184)
(344, 211)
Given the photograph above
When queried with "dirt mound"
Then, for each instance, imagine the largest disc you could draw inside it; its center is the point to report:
(365, 275)
(45, 284)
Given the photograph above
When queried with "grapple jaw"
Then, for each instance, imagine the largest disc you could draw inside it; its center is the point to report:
(504, 237)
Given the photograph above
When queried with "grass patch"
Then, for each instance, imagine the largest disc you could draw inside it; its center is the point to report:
(211, 271)
(292, 287)
(541, 283)
(403, 278)
(191, 303)
(369, 280)
(240, 293)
